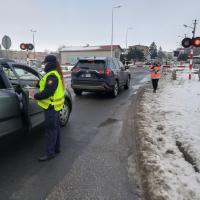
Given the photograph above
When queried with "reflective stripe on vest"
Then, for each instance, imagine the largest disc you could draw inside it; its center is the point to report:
(155, 72)
(58, 99)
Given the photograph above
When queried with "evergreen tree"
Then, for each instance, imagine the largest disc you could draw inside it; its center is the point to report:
(153, 50)
(135, 54)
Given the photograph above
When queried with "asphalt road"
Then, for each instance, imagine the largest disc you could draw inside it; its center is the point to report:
(93, 161)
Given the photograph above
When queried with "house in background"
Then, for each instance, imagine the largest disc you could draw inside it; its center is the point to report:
(70, 55)
(144, 49)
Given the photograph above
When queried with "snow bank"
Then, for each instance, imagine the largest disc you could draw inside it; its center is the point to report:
(168, 138)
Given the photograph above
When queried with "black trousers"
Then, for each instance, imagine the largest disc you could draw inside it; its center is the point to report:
(155, 83)
(52, 131)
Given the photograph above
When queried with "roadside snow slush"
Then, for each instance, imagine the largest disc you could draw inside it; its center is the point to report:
(168, 139)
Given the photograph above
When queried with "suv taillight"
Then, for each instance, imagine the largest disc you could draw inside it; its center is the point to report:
(75, 69)
(107, 72)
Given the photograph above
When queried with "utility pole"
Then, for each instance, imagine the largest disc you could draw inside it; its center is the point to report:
(129, 28)
(194, 29)
(112, 36)
(33, 31)
(192, 47)
(192, 50)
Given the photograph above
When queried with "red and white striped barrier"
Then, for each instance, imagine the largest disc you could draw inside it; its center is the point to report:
(191, 61)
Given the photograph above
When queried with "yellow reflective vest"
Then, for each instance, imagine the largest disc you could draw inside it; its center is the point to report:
(57, 100)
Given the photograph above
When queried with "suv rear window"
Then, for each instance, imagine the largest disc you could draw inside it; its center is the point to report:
(91, 64)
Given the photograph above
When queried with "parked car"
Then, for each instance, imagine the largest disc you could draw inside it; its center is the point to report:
(17, 109)
(99, 74)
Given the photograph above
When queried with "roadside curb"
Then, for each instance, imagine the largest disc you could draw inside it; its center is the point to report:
(139, 160)
(136, 175)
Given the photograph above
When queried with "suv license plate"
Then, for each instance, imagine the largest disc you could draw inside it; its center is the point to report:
(87, 75)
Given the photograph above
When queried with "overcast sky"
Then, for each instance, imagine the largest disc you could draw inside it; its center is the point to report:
(81, 22)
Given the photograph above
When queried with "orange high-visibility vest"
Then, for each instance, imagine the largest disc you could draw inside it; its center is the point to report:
(155, 72)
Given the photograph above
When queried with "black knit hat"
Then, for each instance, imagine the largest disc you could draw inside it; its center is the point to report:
(50, 59)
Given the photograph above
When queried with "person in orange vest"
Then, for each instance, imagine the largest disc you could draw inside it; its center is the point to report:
(155, 75)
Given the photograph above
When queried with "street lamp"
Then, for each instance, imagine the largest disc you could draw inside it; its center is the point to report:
(112, 29)
(187, 26)
(33, 31)
(129, 28)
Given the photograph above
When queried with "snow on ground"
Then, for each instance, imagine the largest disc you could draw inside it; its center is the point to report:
(169, 139)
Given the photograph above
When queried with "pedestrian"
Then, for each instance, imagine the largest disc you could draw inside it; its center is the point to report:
(155, 75)
(51, 98)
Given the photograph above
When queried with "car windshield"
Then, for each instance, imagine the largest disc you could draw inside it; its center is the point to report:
(91, 64)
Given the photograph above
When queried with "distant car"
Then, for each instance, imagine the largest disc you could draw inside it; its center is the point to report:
(99, 74)
(139, 66)
(18, 110)
(166, 66)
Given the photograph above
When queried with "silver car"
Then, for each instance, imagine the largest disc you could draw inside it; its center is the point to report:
(18, 110)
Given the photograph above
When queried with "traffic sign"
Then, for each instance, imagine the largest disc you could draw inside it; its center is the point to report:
(176, 53)
(6, 42)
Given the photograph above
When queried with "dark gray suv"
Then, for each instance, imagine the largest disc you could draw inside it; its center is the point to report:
(99, 74)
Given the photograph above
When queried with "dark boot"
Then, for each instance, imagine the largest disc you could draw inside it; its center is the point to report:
(46, 157)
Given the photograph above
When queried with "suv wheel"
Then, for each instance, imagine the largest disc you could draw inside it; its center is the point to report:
(78, 92)
(127, 85)
(115, 90)
(64, 114)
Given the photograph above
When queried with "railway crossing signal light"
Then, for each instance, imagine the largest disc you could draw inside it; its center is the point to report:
(196, 42)
(24, 46)
(187, 42)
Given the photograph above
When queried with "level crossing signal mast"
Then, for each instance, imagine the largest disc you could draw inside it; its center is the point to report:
(192, 43)
(24, 46)
(187, 42)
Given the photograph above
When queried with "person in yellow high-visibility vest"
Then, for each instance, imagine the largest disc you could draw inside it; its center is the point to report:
(51, 99)
(155, 75)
